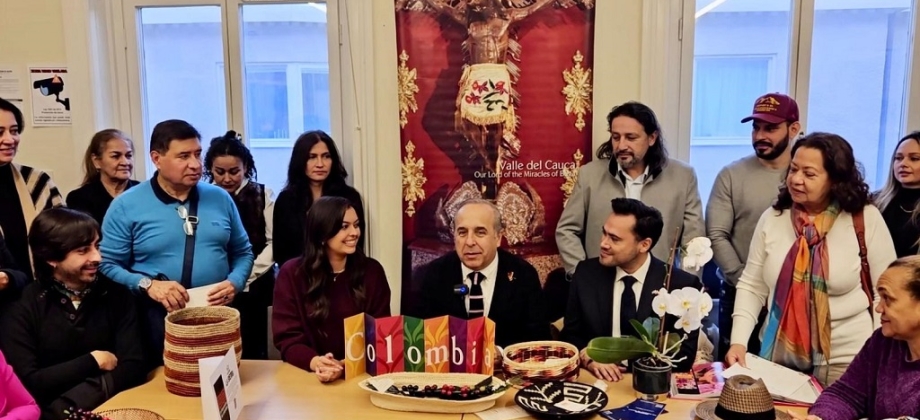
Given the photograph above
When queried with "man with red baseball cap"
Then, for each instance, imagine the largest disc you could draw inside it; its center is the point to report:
(743, 190)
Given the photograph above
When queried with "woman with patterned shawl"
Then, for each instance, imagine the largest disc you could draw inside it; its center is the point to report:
(805, 265)
(24, 191)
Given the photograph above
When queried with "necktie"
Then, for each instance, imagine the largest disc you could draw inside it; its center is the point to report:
(477, 307)
(627, 306)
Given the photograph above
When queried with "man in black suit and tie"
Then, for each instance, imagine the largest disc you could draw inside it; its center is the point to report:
(480, 279)
(608, 291)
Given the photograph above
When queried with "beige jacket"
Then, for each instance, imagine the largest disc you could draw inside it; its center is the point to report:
(672, 190)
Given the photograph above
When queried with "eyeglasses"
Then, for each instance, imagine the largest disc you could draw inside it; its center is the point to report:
(190, 221)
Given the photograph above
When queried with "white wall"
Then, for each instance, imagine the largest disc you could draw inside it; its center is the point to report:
(32, 33)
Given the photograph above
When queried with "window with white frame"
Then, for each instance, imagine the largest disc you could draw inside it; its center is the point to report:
(846, 62)
(284, 101)
(724, 87)
(272, 83)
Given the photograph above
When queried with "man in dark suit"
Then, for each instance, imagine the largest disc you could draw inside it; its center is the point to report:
(610, 290)
(479, 279)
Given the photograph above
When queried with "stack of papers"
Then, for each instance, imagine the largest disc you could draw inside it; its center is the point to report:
(786, 385)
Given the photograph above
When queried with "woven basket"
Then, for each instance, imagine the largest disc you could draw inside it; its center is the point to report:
(432, 405)
(197, 333)
(541, 361)
(130, 414)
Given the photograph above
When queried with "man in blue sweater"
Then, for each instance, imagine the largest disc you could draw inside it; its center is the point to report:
(172, 233)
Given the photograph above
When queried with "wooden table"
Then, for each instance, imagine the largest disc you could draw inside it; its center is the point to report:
(622, 393)
(273, 390)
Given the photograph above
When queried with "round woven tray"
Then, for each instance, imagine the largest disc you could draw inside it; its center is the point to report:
(432, 405)
(130, 414)
(541, 361)
(197, 333)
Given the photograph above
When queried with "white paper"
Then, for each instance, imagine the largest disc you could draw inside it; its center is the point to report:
(503, 413)
(50, 96)
(221, 398)
(782, 382)
(11, 86)
(601, 385)
(571, 406)
(198, 296)
(381, 384)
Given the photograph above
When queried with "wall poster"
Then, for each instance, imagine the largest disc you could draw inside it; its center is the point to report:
(495, 101)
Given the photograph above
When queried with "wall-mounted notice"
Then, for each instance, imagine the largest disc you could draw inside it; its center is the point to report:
(50, 97)
(11, 85)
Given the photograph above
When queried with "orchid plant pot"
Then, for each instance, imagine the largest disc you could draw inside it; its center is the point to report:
(651, 379)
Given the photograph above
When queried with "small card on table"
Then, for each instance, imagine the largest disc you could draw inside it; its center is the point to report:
(219, 377)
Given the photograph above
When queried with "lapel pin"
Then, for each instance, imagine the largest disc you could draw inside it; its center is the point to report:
(511, 276)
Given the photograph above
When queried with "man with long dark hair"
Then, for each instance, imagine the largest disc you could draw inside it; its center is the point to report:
(633, 164)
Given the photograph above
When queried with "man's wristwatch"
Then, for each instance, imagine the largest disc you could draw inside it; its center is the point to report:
(145, 284)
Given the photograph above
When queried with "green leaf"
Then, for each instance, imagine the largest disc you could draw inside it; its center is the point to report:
(490, 95)
(673, 338)
(653, 326)
(643, 332)
(491, 85)
(617, 349)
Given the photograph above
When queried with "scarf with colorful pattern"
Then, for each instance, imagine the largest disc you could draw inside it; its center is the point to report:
(799, 321)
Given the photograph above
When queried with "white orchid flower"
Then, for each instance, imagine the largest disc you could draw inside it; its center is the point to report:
(704, 305)
(679, 302)
(690, 262)
(684, 300)
(689, 322)
(660, 302)
(698, 245)
(697, 253)
(692, 293)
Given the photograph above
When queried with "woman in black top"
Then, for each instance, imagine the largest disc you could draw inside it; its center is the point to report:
(24, 191)
(899, 200)
(12, 280)
(73, 337)
(108, 164)
(229, 165)
(315, 170)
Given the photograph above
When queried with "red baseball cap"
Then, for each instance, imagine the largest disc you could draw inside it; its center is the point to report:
(774, 108)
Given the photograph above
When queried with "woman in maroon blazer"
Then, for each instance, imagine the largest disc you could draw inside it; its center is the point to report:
(333, 280)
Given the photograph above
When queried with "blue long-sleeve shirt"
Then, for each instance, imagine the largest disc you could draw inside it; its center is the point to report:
(142, 235)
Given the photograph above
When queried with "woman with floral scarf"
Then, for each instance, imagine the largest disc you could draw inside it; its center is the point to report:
(805, 265)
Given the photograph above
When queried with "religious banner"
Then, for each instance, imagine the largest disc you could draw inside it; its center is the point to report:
(495, 101)
(446, 344)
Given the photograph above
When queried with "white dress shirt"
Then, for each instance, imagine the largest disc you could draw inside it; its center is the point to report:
(634, 186)
(266, 259)
(489, 276)
(618, 287)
